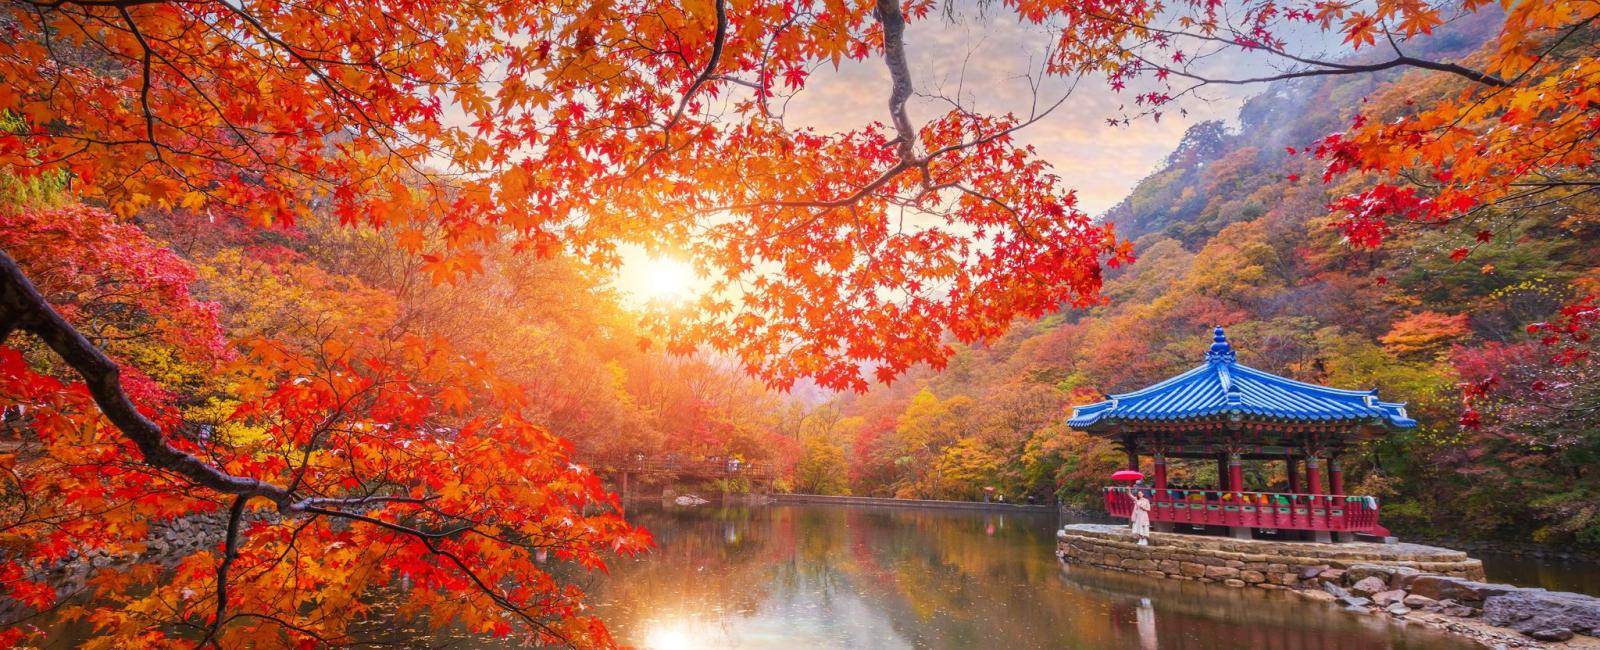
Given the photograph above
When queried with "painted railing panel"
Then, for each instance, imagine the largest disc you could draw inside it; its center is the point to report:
(1317, 512)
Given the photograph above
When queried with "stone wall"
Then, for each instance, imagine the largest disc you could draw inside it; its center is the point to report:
(167, 542)
(1241, 563)
(1438, 585)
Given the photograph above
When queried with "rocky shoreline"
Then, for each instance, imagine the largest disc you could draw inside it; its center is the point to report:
(1498, 615)
(167, 542)
(1438, 587)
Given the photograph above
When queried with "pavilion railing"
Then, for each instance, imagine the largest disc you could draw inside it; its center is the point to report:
(1276, 510)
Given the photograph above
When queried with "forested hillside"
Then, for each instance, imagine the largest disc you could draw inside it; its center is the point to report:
(1236, 229)
(555, 327)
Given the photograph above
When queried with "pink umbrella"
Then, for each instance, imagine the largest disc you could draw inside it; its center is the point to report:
(1129, 475)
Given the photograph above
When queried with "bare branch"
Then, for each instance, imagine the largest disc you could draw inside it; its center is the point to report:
(894, 56)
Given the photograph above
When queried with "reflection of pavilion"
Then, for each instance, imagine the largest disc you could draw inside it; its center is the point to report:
(1228, 412)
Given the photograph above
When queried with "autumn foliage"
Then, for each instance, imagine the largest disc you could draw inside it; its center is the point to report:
(347, 440)
(322, 276)
(1430, 247)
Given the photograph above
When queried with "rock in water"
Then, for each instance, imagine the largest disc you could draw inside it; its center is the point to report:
(1317, 594)
(1534, 610)
(1557, 634)
(1383, 598)
(1442, 587)
(1368, 586)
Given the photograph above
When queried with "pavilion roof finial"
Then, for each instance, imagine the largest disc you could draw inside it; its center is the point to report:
(1220, 350)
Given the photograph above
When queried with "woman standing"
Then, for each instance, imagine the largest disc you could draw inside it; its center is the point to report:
(1141, 516)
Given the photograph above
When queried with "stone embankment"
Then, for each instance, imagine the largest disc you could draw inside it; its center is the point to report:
(168, 542)
(1437, 586)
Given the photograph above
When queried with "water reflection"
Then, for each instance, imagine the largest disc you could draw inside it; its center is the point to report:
(1555, 575)
(836, 577)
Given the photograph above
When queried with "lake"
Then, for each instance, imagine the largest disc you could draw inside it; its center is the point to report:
(824, 576)
(818, 577)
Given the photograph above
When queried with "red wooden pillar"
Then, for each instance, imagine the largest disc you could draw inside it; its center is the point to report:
(1319, 522)
(1314, 475)
(1336, 487)
(1161, 471)
(1235, 472)
(1294, 474)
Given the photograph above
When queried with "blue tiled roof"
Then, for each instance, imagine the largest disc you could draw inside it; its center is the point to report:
(1223, 386)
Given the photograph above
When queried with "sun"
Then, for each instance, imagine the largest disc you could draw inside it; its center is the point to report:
(658, 279)
(668, 638)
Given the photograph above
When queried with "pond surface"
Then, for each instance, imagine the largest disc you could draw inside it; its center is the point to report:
(821, 576)
(1532, 571)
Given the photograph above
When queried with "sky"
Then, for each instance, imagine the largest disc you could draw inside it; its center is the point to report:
(984, 56)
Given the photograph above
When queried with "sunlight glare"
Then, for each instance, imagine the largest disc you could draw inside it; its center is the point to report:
(668, 638)
(658, 279)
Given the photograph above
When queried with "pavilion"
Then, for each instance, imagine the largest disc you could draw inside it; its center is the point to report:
(1229, 412)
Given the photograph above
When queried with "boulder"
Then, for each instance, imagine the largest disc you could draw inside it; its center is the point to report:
(1368, 586)
(1419, 602)
(1355, 601)
(1252, 576)
(1331, 575)
(1449, 607)
(1397, 609)
(1529, 610)
(1307, 573)
(1556, 634)
(1442, 587)
(1389, 574)
(1317, 595)
(1221, 572)
(1383, 598)
(1192, 569)
(1334, 590)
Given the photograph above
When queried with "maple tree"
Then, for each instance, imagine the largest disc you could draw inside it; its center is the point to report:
(603, 126)
(556, 130)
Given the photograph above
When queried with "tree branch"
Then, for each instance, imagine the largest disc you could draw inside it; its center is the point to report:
(230, 551)
(894, 56)
(718, 40)
(21, 304)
